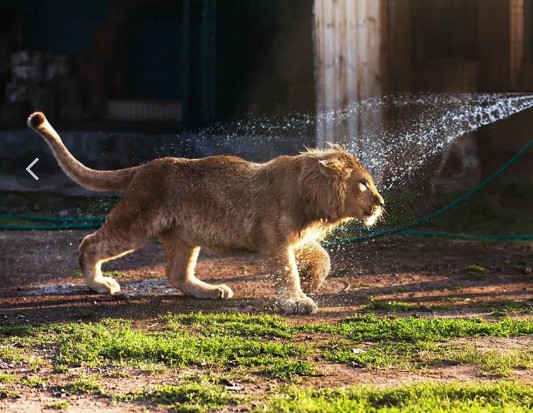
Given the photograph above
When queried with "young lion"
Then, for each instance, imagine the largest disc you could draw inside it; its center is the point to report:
(278, 209)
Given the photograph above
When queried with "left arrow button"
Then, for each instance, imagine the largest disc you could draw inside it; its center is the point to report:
(30, 171)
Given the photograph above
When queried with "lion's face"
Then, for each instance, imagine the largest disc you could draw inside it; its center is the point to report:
(363, 200)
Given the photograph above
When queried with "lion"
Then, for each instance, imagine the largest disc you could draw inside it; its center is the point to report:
(279, 209)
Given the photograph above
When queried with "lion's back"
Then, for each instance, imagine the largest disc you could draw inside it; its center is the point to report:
(212, 200)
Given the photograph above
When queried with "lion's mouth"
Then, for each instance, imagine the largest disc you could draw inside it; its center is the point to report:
(372, 215)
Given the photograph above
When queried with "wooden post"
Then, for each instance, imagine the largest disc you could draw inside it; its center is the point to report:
(516, 11)
(348, 69)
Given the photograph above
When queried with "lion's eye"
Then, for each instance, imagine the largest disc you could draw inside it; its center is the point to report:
(363, 186)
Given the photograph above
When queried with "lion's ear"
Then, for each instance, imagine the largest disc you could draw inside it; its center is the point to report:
(334, 167)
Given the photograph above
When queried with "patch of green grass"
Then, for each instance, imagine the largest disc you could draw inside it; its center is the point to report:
(34, 381)
(400, 306)
(504, 308)
(187, 397)
(88, 385)
(475, 272)
(381, 355)
(426, 397)
(59, 405)
(118, 374)
(7, 378)
(368, 327)
(16, 331)
(115, 341)
(8, 394)
(13, 354)
(284, 369)
(411, 356)
(9, 353)
(489, 362)
(476, 269)
(234, 324)
(393, 306)
(260, 344)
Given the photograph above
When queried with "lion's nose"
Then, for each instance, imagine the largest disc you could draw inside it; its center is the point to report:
(379, 200)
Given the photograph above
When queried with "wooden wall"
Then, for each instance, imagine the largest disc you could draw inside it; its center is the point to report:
(349, 65)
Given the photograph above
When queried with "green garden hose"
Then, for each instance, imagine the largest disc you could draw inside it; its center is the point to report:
(58, 223)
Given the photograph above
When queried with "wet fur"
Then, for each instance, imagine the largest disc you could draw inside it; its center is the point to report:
(278, 209)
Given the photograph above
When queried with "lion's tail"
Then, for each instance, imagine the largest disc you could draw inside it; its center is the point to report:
(75, 170)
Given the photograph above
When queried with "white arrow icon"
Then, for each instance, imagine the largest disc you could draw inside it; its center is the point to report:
(29, 169)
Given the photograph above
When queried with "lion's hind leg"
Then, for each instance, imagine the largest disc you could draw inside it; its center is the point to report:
(96, 249)
(313, 265)
(118, 236)
(180, 271)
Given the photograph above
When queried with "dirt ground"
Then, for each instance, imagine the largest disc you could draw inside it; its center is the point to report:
(40, 278)
(40, 283)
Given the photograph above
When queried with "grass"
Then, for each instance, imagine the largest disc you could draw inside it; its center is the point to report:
(7, 378)
(371, 328)
(393, 306)
(382, 355)
(59, 405)
(265, 344)
(289, 370)
(360, 327)
(488, 362)
(422, 355)
(216, 348)
(8, 394)
(243, 325)
(475, 268)
(34, 381)
(15, 355)
(115, 341)
(400, 306)
(427, 397)
(87, 385)
(187, 397)
(504, 308)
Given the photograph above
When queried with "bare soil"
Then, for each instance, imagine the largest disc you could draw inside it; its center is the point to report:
(40, 283)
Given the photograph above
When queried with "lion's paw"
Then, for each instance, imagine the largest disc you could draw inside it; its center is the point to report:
(302, 305)
(223, 291)
(104, 285)
(207, 291)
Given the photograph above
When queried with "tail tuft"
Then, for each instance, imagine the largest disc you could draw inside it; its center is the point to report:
(36, 119)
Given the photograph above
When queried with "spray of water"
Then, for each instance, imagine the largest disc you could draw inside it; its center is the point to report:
(419, 128)
(413, 130)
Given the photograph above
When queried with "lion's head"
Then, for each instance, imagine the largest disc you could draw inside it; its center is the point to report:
(339, 187)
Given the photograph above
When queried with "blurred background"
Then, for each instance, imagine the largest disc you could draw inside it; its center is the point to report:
(125, 81)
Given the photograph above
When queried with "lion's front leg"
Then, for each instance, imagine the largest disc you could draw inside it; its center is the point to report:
(313, 265)
(287, 284)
